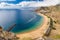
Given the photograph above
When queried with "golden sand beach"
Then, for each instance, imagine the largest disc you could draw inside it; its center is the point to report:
(39, 32)
(54, 13)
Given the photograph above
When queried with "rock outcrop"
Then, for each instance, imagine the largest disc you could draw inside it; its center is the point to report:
(4, 35)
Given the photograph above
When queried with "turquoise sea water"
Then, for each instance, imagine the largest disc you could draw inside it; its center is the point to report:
(25, 20)
(34, 24)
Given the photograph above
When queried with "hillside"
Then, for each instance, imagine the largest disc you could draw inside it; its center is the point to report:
(54, 13)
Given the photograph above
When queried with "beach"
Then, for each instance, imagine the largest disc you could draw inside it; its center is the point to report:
(39, 32)
(54, 13)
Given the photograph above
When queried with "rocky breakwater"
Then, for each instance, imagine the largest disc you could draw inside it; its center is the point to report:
(4, 35)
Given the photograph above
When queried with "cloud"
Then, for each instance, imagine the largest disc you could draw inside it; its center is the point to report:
(25, 4)
(38, 3)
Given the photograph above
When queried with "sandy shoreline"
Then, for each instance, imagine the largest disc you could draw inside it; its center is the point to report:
(38, 32)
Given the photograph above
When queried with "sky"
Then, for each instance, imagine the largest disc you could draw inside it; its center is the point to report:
(39, 4)
(11, 1)
(16, 1)
(36, 3)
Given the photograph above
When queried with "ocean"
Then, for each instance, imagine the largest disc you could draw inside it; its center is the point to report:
(25, 20)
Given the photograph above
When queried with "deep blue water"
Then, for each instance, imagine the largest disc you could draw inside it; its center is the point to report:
(24, 19)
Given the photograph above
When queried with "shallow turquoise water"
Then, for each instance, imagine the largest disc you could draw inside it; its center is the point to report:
(25, 20)
(34, 24)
